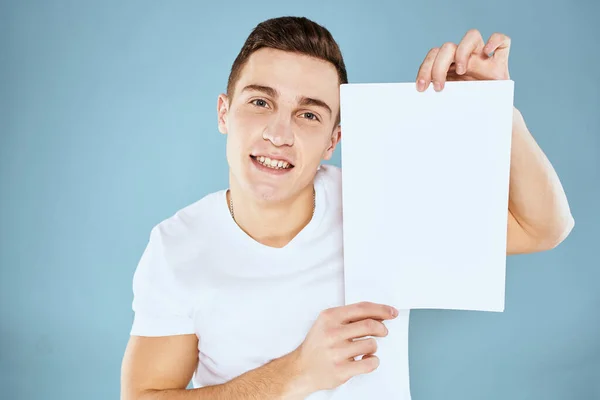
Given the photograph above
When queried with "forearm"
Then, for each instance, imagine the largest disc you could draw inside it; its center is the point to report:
(536, 197)
(278, 379)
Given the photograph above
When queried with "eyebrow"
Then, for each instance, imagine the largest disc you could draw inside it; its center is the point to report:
(304, 101)
(307, 101)
(260, 88)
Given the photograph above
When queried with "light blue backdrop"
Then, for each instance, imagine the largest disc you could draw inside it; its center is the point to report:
(108, 125)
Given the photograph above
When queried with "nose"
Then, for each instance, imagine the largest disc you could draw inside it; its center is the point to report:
(279, 132)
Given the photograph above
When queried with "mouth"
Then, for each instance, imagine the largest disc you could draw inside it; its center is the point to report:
(272, 163)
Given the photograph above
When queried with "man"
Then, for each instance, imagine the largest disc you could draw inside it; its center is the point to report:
(242, 291)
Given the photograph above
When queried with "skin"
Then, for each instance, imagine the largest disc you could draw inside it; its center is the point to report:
(539, 215)
(266, 117)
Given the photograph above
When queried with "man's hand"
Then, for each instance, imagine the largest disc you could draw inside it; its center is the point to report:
(472, 59)
(326, 358)
(152, 367)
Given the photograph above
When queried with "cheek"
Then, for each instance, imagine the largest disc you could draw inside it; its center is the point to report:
(313, 145)
(247, 127)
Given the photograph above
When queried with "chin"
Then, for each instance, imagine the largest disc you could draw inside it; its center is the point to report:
(268, 193)
(266, 184)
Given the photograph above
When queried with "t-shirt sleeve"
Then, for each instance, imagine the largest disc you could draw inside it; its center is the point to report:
(159, 304)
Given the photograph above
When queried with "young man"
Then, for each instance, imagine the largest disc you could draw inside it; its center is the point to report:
(242, 291)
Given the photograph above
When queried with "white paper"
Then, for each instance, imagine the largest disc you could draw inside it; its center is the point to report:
(425, 197)
(425, 193)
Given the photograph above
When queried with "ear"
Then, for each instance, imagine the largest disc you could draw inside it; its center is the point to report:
(222, 108)
(336, 136)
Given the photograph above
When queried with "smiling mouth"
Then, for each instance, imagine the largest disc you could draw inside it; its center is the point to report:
(272, 163)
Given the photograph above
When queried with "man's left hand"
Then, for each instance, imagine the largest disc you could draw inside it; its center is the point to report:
(472, 59)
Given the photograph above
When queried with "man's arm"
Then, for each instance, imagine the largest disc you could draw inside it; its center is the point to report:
(539, 216)
(160, 368)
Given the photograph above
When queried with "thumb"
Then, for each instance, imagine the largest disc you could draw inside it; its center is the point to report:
(498, 46)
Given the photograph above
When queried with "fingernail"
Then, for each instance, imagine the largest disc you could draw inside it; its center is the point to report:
(460, 69)
(437, 86)
(394, 312)
(421, 84)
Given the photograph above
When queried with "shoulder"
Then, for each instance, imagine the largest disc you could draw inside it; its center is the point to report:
(330, 175)
(192, 217)
(329, 181)
(186, 232)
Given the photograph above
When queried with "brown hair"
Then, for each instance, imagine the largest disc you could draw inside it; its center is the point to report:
(293, 34)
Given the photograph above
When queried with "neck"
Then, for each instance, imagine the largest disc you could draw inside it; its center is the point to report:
(272, 224)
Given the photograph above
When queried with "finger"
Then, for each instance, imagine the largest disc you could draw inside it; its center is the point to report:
(424, 73)
(367, 356)
(498, 45)
(471, 43)
(362, 366)
(365, 327)
(364, 310)
(441, 65)
(359, 348)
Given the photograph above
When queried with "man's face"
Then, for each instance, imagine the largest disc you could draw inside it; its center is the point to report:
(280, 123)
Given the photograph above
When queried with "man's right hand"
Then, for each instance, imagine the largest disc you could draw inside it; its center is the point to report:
(326, 358)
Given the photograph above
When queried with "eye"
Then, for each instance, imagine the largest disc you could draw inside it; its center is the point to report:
(259, 103)
(310, 116)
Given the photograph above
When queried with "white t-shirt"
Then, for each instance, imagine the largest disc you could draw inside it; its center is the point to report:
(246, 302)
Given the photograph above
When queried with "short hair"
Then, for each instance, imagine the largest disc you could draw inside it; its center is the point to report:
(292, 34)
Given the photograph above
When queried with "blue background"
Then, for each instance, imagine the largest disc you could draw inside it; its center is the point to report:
(108, 125)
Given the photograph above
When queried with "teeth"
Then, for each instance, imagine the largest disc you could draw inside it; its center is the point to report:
(272, 163)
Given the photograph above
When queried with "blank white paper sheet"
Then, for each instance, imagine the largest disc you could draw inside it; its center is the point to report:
(425, 202)
(425, 193)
